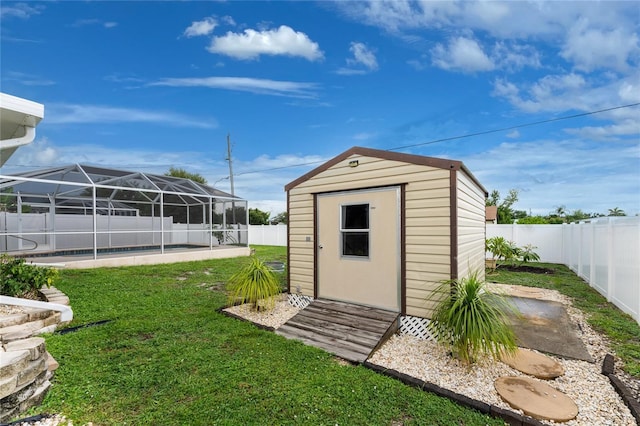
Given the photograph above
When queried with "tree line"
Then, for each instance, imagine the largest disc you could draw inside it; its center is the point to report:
(508, 214)
(506, 211)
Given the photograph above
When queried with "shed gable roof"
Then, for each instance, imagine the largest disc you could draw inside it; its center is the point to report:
(421, 160)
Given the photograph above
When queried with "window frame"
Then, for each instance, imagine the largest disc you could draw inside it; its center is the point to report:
(346, 231)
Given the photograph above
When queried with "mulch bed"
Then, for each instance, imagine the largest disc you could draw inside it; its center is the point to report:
(527, 268)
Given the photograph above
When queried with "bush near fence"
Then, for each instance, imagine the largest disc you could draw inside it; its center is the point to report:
(604, 252)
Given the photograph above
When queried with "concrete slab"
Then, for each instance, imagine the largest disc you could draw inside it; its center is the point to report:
(546, 327)
(536, 399)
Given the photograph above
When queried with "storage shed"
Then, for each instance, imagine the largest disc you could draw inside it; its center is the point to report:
(383, 229)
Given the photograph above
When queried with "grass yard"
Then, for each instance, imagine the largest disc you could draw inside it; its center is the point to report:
(168, 358)
(622, 331)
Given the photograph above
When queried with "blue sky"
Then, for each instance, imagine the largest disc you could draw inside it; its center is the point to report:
(153, 85)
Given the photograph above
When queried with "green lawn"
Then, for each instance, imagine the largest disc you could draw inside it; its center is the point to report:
(622, 331)
(168, 358)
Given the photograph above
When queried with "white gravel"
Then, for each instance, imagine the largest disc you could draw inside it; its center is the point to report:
(597, 401)
(271, 318)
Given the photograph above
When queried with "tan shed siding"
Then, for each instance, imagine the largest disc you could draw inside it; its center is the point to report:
(300, 250)
(471, 226)
(427, 218)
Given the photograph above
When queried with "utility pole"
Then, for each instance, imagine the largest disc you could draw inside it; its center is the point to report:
(233, 204)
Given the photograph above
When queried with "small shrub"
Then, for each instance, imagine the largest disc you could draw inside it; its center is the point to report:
(527, 254)
(256, 283)
(470, 320)
(508, 252)
(21, 279)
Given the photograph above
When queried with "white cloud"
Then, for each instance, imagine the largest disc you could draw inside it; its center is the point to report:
(571, 91)
(45, 153)
(362, 55)
(421, 63)
(58, 113)
(364, 136)
(499, 19)
(251, 44)
(264, 188)
(201, 28)
(350, 71)
(468, 55)
(591, 34)
(461, 54)
(363, 60)
(28, 79)
(550, 93)
(19, 10)
(120, 78)
(514, 56)
(253, 85)
(626, 127)
(514, 134)
(566, 92)
(591, 48)
(93, 21)
(565, 172)
(229, 21)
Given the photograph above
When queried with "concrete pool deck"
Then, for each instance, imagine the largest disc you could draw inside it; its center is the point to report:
(131, 258)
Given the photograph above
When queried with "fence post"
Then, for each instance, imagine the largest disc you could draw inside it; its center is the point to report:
(579, 265)
(611, 270)
(592, 255)
(566, 248)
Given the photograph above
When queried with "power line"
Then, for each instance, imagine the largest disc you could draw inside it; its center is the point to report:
(518, 126)
(468, 135)
(281, 167)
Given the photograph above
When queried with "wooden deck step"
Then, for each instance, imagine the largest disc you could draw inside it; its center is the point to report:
(347, 330)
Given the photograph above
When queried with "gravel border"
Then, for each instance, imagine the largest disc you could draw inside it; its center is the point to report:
(428, 366)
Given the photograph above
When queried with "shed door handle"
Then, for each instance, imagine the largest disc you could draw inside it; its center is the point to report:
(320, 246)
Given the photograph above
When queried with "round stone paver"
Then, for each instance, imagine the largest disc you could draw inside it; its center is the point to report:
(536, 399)
(534, 364)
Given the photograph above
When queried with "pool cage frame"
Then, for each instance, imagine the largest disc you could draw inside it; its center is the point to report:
(81, 208)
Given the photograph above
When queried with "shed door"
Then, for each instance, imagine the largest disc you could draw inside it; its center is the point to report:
(359, 247)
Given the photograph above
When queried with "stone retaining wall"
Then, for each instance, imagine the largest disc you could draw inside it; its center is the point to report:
(25, 365)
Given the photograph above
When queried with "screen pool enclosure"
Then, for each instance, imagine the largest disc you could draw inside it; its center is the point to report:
(86, 209)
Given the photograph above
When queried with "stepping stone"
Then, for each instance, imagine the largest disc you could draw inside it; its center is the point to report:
(536, 399)
(534, 364)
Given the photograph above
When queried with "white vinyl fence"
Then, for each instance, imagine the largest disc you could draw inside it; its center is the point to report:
(35, 232)
(268, 235)
(604, 252)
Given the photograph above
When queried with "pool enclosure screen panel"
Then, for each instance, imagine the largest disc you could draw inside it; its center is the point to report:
(358, 252)
(88, 208)
(355, 230)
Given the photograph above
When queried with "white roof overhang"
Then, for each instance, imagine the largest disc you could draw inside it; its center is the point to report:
(18, 120)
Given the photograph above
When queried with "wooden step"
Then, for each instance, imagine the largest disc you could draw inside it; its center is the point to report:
(347, 330)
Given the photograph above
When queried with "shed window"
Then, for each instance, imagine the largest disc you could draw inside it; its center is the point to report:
(354, 230)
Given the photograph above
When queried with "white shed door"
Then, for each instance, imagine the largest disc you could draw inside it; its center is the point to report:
(359, 247)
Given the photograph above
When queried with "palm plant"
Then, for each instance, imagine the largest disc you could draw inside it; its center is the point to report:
(501, 249)
(471, 321)
(527, 254)
(256, 284)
